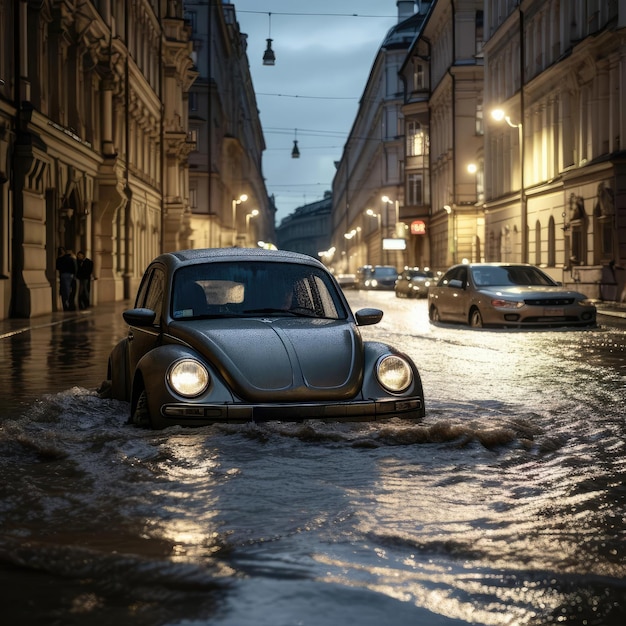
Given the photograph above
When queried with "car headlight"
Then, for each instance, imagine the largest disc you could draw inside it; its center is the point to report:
(586, 302)
(394, 373)
(188, 377)
(507, 304)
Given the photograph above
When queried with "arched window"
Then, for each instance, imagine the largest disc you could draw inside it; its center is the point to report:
(551, 243)
(538, 243)
(578, 230)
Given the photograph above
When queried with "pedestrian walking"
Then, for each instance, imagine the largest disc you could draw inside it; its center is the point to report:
(66, 266)
(84, 271)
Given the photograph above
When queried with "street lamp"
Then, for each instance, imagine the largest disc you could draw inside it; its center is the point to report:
(396, 204)
(242, 198)
(378, 217)
(499, 115)
(452, 232)
(250, 215)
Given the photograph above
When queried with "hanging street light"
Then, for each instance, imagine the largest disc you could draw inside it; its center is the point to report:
(295, 152)
(269, 58)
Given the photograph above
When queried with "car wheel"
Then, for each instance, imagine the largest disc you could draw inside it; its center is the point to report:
(433, 313)
(141, 415)
(475, 318)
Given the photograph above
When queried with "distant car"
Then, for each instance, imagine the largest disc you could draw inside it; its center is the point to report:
(346, 281)
(414, 283)
(376, 277)
(506, 294)
(237, 335)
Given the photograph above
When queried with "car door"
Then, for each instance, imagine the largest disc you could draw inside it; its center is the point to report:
(142, 339)
(452, 299)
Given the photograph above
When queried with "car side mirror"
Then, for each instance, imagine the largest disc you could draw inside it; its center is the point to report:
(139, 317)
(455, 283)
(367, 317)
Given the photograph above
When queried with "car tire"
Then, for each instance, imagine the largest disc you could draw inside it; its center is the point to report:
(475, 318)
(433, 314)
(141, 414)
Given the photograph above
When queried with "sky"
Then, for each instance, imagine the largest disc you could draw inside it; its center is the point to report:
(324, 51)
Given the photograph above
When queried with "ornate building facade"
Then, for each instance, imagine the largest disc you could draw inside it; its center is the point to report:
(93, 143)
(228, 197)
(545, 183)
(368, 188)
(556, 182)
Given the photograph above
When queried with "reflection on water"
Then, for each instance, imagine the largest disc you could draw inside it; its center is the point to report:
(56, 354)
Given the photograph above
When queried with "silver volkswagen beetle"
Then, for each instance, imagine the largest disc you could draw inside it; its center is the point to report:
(237, 335)
(506, 294)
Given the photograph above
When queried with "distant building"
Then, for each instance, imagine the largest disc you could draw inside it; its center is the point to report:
(370, 211)
(308, 228)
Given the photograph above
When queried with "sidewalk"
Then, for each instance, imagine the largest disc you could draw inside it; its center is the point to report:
(612, 309)
(10, 327)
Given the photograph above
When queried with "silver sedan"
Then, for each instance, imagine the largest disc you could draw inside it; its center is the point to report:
(506, 294)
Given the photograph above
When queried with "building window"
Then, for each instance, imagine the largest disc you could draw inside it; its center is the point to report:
(416, 140)
(415, 189)
(480, 127)
(538, 243)
(479, 31)
(551, 243)
(418, 76)
(578, 226)
(192, 19)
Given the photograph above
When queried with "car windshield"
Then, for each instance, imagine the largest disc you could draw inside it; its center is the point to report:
(510, 275)
(385, 271)
(249, 288)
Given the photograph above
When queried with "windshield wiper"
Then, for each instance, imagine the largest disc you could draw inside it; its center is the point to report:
(278, 311)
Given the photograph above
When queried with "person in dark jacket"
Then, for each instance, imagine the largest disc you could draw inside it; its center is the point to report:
(84, 270)
(66, 266)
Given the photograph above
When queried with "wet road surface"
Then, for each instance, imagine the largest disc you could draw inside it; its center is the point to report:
(505, 506)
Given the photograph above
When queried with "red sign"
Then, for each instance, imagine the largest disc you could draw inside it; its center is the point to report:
(418, 227)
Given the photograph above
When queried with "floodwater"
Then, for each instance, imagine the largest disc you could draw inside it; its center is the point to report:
(505, 506)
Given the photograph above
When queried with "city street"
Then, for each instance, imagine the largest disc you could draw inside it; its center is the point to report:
(506, 505)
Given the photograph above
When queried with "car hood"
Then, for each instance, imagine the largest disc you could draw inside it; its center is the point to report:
(280, 359)
(539, 292)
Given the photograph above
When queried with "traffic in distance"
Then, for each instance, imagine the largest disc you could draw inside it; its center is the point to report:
(513, 295)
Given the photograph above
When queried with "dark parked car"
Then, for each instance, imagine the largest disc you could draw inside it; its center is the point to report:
(376, 277)
(506, 294)
(414, 283)
(237, 335)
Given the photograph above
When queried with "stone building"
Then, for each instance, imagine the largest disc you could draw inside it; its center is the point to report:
(544, 183)
(93, 143)
(368, 187)
(443, 78)
(228, 197)
(307, 229)
(558, 72)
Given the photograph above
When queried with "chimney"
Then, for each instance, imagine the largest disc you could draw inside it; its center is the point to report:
(406, 8)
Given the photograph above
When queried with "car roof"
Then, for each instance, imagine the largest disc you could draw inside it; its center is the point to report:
(494, 264)
(207, 255)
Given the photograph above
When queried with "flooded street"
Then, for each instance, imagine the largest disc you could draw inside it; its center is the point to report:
(506, 506)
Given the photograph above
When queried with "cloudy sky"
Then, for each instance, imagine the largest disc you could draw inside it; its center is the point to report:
(324, 53)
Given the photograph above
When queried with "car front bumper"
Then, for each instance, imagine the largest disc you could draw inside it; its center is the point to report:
(365, 410)
(542, 317)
